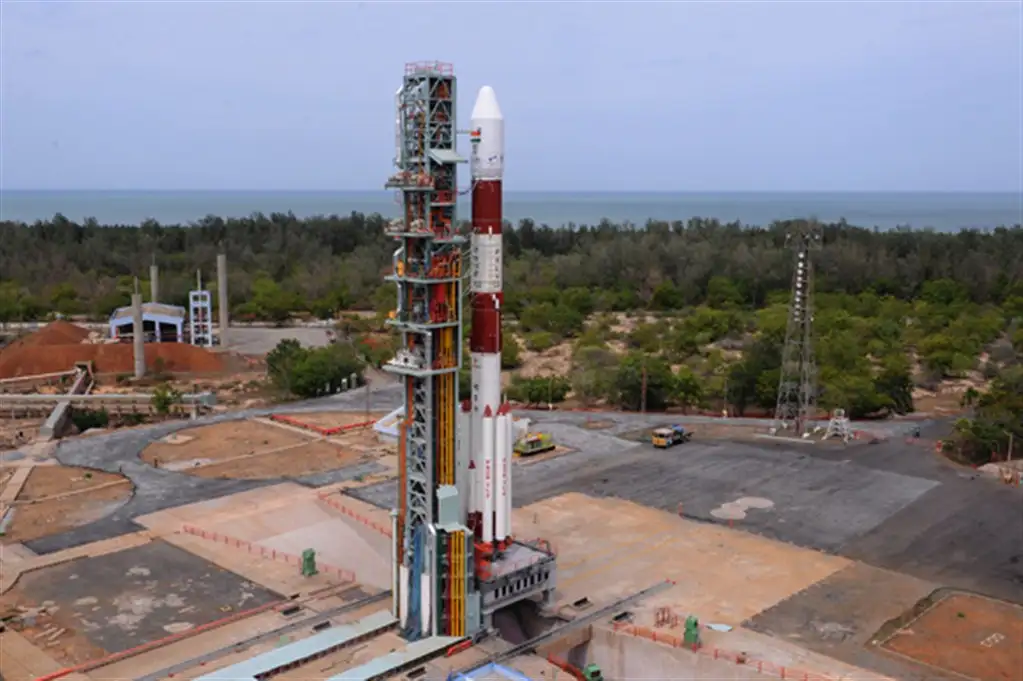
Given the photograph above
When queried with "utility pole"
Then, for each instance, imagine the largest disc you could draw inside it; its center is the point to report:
(642, 398)
(724, 396)
(366, 379)
(1011, 436)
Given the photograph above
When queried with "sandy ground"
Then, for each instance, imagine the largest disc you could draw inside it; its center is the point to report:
(555, 361)
(207, 444)
(610, 548)
(300, 459)
(48, 481)
(67, 648)
(260, 449)
(968, 635)
(16, 432)
(336, 419)
(57, 498)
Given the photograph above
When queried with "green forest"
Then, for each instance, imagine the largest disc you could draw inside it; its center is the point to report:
(693, 311)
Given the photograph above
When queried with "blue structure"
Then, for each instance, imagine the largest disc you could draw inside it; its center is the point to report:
(490, 671)
(413, 627)
(160, 323)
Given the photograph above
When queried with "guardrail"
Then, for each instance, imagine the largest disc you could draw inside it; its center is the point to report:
(334, 501)
(761, 666)
(188, 399)
(322, 430)
(264, 552)
(11, 404)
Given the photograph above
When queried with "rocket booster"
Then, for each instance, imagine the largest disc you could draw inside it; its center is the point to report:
(487, 171)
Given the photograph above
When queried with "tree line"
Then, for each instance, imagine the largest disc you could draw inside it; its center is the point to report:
(694, 311)
(320, 264)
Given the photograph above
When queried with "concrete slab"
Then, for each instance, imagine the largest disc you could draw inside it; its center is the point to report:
(235, 633)
(312, 648)
(124, 599)
(623, 655)
(840, 616)
(964, 534)
(23, 661)
(818, 504)
(610, 548)
(347, 659)
(285, 517)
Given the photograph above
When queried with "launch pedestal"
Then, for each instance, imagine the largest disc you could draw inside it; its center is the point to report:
(523, 571)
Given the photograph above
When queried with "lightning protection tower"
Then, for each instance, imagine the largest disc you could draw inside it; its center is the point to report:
(434, 551)
(797, 388)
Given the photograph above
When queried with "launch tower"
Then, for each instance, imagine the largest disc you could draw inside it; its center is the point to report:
(448, 580)
(797, 386)
(434, 550)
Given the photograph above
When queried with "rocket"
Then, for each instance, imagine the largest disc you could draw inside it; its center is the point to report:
(489, 422)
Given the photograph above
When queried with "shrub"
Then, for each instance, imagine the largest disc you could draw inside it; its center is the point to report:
(540, 341)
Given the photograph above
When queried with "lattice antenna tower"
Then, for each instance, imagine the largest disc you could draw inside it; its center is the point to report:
(797, 387)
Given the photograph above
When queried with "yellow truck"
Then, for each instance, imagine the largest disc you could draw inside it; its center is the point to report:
(669, 436)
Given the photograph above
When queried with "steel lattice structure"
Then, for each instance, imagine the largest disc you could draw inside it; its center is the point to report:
(428, 273)
(797, 387)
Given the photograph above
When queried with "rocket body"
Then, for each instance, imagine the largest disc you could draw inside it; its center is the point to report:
(487, 170)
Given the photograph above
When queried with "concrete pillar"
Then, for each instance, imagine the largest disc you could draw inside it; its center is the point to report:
(138, 335)
(222, 297)
(154, 284)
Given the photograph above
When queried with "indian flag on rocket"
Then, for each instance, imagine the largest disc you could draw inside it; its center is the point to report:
(475, 136)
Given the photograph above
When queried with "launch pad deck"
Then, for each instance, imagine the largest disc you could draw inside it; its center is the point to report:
(517, 557)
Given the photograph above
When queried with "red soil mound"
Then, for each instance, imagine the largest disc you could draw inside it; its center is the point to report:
(57, 333)
(54, 333)
(115, 358)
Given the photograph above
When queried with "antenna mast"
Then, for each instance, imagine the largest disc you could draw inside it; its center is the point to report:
(797, 388)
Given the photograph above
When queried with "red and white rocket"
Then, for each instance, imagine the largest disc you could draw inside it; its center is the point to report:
(490, 421)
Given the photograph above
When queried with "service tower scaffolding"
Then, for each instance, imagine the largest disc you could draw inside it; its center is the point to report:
(434, 567)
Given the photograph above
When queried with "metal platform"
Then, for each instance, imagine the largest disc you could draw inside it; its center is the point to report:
(400, 660)
(301, 652)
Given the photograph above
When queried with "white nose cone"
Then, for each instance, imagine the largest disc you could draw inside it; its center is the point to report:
(486, 106)
(487, 136)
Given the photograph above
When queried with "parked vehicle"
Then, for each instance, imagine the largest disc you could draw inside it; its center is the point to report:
(670, 436)
(534, 443)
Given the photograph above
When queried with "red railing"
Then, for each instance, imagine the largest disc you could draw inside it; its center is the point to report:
(334, 501)
(264, 552)
(761, 666)
(334, 430)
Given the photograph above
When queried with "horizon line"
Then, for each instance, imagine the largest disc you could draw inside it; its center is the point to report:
(517, 191)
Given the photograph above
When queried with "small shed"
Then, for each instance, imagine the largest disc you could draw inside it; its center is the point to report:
(160, 323)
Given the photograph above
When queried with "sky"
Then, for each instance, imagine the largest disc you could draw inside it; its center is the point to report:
(597, 96)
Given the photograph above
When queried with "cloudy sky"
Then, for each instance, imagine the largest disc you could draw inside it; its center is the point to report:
(597, 95)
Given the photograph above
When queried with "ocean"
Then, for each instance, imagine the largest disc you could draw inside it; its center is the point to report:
(885, 210)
